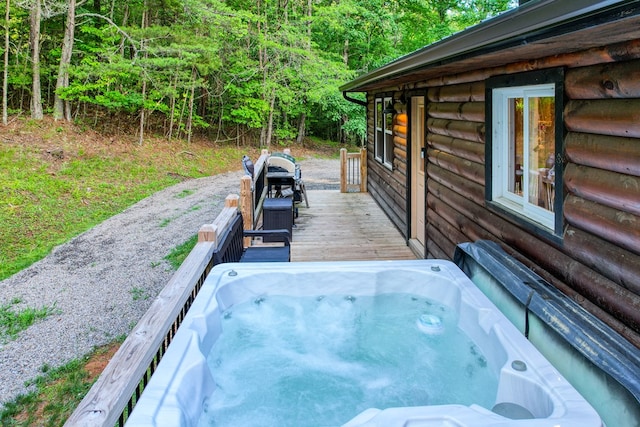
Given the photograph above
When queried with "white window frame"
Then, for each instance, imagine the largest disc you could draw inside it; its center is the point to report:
(383, 150)
(501, 171)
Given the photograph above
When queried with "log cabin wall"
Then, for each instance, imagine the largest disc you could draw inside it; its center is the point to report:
(597, 261)
(387, 186)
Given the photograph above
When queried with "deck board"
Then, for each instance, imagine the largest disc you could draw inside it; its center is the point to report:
(345, 227)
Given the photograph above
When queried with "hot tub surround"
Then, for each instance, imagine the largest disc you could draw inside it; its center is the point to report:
(529, 386)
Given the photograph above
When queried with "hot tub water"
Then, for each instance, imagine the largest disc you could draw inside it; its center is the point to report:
(322, 360)
(190, 379)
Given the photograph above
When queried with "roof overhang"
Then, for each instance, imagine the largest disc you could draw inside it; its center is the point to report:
(537, 29)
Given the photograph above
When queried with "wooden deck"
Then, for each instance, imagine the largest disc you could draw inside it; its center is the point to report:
(345, 227)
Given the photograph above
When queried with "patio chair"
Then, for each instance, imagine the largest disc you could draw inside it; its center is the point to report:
(231, 246)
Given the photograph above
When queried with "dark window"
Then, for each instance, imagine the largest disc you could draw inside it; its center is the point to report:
(383, 143)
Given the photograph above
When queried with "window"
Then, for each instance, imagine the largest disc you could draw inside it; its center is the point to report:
(524, 141)
(384, 132)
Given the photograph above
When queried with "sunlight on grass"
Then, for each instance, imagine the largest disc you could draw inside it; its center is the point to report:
(57, 392)
(178, 254)
(13, 321)
(45, 200)
(184, 193)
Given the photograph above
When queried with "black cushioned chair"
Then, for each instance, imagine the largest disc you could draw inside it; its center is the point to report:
(231, 248)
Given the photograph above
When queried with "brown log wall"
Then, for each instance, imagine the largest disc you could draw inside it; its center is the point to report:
(604, 152)
(389, 187)
(573, 277)
(612, 189)
(465, 219)
(597, 262)
(602, 175)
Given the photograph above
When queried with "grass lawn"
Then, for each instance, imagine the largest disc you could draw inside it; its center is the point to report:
(59, 181)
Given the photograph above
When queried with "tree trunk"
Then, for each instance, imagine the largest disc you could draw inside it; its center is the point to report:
(142, 111)
(35, 16)
(263, 136)
(182, 111)
(143, 25)
(270, 121)
(191, 96)
(5, 83)
(301, 128)
(125, 21)
(61, 108)
(172, 115)
(345, 52)
(309, 22)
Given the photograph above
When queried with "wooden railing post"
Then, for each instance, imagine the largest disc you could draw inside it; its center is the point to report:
(232, 201)
(343, 170)
(363, 170)
(246, 205)
(353, 170)
(207, 233)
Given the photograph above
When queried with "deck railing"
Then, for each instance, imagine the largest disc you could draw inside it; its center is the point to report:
(353, 171)
(254, 191)
(117, 390)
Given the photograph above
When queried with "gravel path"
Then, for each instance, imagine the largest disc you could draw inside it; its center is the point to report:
(100, 283)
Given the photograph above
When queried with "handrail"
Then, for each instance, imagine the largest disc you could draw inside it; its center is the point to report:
(353, 171)
(120, 385)
(254, 190)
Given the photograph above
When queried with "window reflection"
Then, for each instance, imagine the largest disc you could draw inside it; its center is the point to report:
(532, 149)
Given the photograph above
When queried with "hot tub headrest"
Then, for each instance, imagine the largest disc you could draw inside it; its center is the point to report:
(588, 335)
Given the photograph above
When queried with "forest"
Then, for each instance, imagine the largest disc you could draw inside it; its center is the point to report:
(248, 71)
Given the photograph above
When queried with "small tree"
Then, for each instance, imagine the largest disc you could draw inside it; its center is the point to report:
(61, 108)
(5, 79)
(35, 17)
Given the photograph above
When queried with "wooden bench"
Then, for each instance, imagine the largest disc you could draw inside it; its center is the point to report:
(231, 248)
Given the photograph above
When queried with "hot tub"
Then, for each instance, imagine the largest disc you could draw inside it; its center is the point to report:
(529, 392)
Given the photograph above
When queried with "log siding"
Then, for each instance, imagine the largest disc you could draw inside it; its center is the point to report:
(389, 187)
(597, 259)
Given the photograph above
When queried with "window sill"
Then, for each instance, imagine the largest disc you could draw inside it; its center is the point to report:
(524, 222)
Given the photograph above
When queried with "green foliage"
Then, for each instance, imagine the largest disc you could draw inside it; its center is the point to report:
(13, 321)
(180, 252)
(44, 201)
(57, 393)
(139, 293)
(216, 65)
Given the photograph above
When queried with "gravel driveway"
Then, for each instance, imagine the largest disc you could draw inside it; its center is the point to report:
(100, 283)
